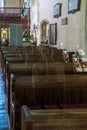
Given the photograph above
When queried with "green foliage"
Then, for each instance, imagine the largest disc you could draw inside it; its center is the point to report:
(32, 39)
(25, 33)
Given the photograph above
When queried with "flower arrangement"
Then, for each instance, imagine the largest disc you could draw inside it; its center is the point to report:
(76, 62)
(65, 55)
(82, 57)
(81, 52)
(33, 39)
(25, 34)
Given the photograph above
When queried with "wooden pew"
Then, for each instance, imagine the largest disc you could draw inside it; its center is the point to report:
(14, 50)
(20, 57)
(40, 68)
(56, 54)
(45, 91)
(25, 68)
(64, 119)
(49, 54)
(24, 93)
(19, 50)
(30, 68)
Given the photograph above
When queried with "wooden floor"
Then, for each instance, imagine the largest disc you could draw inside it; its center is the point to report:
(3, 113)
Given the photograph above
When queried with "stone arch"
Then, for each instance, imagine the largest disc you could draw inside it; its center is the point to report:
(44, 31)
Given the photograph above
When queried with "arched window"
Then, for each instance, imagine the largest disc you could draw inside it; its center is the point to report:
(1, 5)
(27, 2)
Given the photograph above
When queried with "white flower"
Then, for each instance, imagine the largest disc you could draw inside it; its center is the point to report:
(83, 59)
(81, 52)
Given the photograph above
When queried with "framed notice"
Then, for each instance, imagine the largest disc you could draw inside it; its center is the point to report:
(57, 10)
(53, 33)
(73, 6)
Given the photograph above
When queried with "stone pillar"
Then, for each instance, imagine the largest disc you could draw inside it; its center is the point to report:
(85, 44)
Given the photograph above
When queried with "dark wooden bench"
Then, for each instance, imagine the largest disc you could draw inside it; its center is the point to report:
(30, 68)
(45, 91)
(56, 54)
(65, 119)
(23, 92)
(21, 57)
(17, 50)
(48, 53)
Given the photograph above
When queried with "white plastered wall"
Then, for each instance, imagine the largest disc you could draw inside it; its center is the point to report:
(73, 33)
(12, 3)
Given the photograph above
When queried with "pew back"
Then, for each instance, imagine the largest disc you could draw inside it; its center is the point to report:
(44, 90)
(53, 119)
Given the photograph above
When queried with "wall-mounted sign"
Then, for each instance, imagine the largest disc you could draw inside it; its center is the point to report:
(57, 10)
(53, 33)
(73, 6)
(64, 21)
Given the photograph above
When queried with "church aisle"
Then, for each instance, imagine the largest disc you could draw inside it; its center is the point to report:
(3, 113)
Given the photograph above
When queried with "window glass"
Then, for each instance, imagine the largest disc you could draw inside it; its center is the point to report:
(1, 5)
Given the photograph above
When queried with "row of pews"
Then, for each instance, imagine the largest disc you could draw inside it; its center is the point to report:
(41, 79)
(54, 119)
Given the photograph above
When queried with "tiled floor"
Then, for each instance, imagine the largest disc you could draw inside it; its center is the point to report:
(3, 113)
